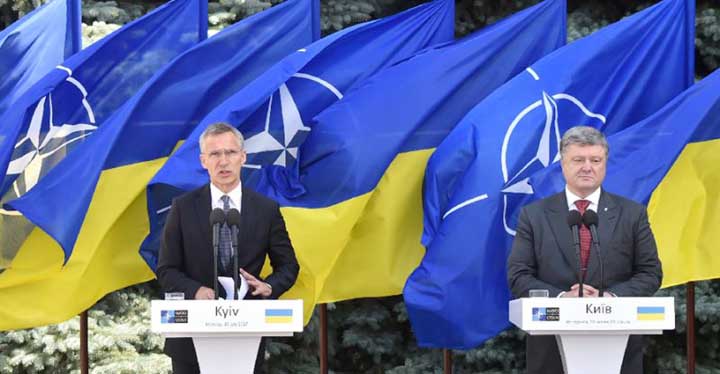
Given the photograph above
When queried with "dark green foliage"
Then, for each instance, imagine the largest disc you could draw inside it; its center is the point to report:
(584, 16)
(112, 11)
(707, 37)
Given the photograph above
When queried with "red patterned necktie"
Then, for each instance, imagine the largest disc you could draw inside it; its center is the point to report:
(585, 236)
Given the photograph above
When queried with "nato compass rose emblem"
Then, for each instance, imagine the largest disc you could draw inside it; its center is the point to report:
(284, 128)
(532, 142)
(58, 120)
(561, 111)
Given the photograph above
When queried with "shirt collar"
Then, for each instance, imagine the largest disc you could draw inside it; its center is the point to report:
(594, 199)
(235, 196)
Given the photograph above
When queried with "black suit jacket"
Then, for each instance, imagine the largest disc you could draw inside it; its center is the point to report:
(543, 257)
(186, 255)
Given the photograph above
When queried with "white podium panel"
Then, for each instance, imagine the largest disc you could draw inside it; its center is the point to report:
(226, 333)
(592, 332)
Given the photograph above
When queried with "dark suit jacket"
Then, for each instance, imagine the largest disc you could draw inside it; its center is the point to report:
(543, 257)
(186, 255)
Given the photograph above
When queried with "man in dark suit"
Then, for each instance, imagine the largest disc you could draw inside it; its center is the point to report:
(543, 254)
(186, 256)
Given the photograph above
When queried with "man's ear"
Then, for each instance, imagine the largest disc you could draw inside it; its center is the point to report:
(203, 160)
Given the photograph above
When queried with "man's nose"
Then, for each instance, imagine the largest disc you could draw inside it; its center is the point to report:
(224, 157)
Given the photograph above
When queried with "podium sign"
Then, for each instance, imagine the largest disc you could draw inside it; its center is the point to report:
(226, 333)
(593, 332)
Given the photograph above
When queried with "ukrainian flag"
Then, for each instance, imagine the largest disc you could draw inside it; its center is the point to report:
(671, 159)
(93, 203)
(278, 315)
(650, 313)
(44, 284)
(351, 192)
(684, 208)
(490, 165)
(274, 113)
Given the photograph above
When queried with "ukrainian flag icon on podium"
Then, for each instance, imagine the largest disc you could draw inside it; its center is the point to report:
(278, 315)
(650, 313)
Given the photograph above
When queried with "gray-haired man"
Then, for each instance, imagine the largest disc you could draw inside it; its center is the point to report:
(186, 255)
(543, 254)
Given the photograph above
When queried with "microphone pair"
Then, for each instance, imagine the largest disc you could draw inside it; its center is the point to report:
(590, 218)
(218, 216)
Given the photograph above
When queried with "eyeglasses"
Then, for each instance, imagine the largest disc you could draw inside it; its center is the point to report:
(229, 153)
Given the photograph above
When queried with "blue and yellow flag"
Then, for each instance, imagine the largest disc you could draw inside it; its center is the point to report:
(105, 221)
(51, 121)
(668, 159)
(274, 109)
(477, 179)
(683, 208)
(275, 112)
(35, 44)
(137, 137)
(349, 178)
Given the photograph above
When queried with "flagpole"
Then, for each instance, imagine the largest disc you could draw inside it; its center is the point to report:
(690, 333)
(75, 18)
(203, 19)
(323, 340)
(447, 361)
(84, 362)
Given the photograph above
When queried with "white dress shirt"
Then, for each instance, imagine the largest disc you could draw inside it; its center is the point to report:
(593, 198)
(235, 197)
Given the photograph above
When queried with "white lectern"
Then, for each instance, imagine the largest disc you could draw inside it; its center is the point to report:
(592, 332)
(226, 333)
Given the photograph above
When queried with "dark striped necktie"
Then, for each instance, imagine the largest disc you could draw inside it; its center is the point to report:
(225, 250)
(585, 236)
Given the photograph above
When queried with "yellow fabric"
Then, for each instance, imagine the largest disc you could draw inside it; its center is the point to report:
(37, 290)
(366, 246)
(684, 215)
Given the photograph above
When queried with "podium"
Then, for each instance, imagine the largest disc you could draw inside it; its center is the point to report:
(592, 333)
(226, 333)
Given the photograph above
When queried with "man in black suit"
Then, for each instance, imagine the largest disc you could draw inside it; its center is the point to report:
(186, 256)
(543, 254)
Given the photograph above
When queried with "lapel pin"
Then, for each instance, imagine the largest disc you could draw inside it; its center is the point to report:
(606, 209)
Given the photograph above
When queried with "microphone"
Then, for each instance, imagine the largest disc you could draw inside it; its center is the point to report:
(574, 219)
(233, 220)
(217, 218)
(590, 219)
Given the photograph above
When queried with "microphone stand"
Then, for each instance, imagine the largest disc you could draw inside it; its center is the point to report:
(217, 218)
(236, 270)
(596, 248)
(233, 220)
(216, 245)
(576, 240)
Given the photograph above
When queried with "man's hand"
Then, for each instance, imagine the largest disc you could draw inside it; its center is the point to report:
(588, 291)
(204, 293)
(258, 287)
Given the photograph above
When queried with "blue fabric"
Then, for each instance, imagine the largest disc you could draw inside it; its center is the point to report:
(72, 103)
(642, 154)
(165, 110)
(275, 111)
(35, 44)
(477, 179)
(89, 86)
